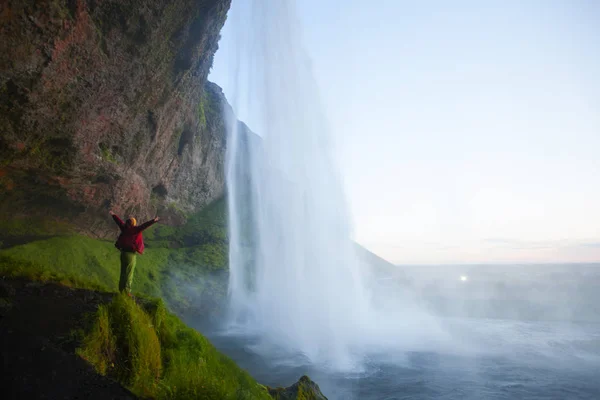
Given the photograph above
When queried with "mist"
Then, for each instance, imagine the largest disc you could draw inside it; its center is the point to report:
(544, 292)
(303, 297)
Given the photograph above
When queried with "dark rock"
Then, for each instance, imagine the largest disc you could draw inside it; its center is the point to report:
(36, 352)
(6, 290)
(5, 306)
(304, 389)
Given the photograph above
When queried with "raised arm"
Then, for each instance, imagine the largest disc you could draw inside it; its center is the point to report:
(148, 224)
(118, 220)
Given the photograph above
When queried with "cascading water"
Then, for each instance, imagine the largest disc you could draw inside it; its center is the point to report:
(297, 286)
(294, 273)
(295, 277)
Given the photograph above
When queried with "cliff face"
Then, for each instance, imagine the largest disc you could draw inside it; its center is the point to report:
(105, 104)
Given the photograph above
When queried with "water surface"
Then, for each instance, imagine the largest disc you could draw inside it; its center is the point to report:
(510, 360)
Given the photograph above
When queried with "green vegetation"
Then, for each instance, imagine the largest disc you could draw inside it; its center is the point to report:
(106, 153)
(184, 277)
(175, 208)
(304, 389)
(146, 348)
(185, 265)
(206, 227)
(176, 140)
(154, 354)
(201, 112)
(209, 108)
(211, 105)
(79, 261)
(16, 268)
(32, 227)
(48, 155)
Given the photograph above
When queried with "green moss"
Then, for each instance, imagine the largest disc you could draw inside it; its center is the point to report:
(212, 104)
(176, 139)
(209, 255)
(185, 265)
(209, 226)
(201, 112)
(123, 343)
(107, 154)
(159, 235)
(209, 108)
(98, 346)
(184, 276)
(177, 209)
(29, 226)
(304, 389)
(154, 199)
(81, 261)
(19, 268)
(54, 155)
(155, 355)
(59, 10)
(138, 348)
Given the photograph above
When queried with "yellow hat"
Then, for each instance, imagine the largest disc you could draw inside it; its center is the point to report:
(132, 221)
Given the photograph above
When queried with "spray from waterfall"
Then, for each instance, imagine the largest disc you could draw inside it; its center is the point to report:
(294, 274)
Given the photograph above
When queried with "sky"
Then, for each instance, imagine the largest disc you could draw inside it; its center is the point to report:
(467, 131)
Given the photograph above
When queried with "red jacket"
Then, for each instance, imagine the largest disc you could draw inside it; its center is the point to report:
(130, 238)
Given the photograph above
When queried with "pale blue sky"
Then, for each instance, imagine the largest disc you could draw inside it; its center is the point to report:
(467, 131)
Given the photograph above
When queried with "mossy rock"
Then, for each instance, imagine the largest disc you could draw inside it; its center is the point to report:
(304, 389)
(152, 353)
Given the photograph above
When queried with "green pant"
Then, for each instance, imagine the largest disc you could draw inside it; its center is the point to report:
(127, 268)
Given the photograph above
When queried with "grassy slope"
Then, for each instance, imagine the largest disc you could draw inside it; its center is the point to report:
(150, 351)
(155, 355)
(183, 265)
(81, 262)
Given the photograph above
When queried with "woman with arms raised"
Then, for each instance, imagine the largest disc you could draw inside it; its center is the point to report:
(130, 242)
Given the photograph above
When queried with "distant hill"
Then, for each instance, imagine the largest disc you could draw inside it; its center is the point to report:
(381, 268)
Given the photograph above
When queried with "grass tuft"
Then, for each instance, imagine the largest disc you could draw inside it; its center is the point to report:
(152, 353)
(138, 353)
(16, 267)
(187, 266)
(99, 347)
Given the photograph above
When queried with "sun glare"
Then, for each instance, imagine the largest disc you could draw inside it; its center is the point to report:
(464, 278)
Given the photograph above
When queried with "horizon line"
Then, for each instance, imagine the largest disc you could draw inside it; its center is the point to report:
(514, 263)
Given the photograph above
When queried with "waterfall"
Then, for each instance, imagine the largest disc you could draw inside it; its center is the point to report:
(295, 278)
(294, 273)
